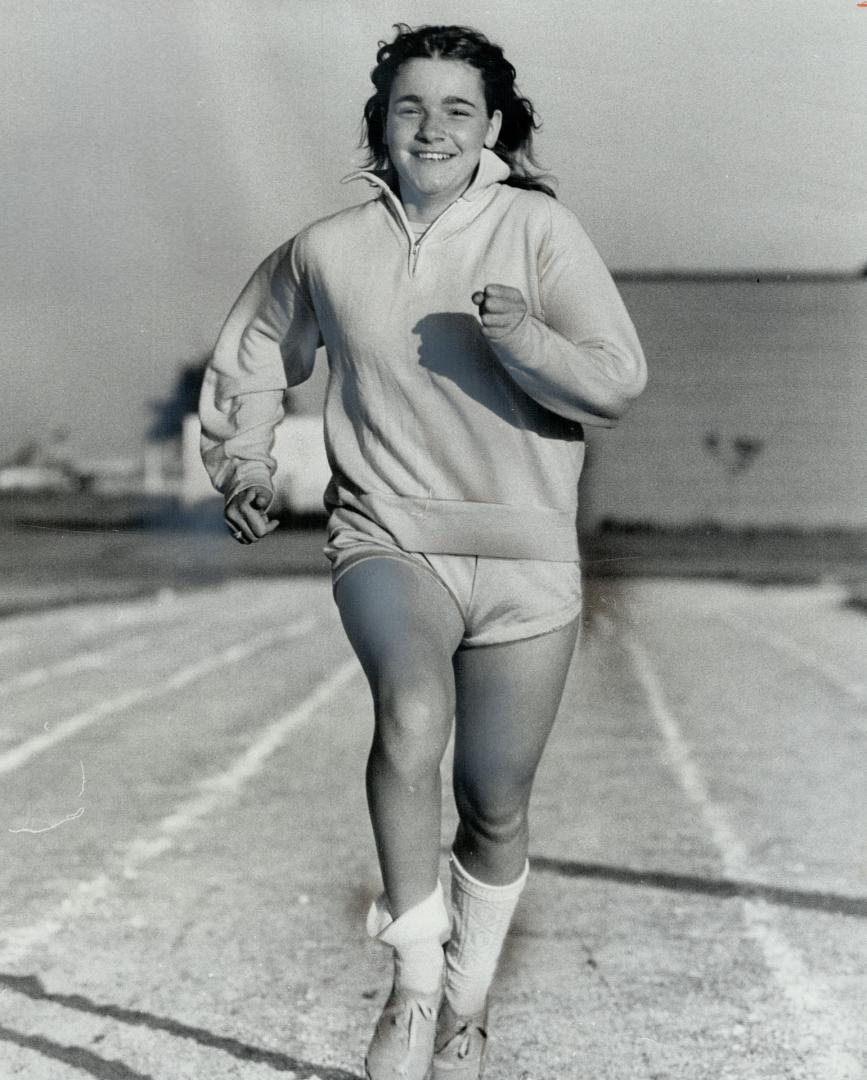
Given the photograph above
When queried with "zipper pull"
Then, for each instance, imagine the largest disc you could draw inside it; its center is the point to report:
(414, 256)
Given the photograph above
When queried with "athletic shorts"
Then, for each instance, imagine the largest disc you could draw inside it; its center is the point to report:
(499, 600)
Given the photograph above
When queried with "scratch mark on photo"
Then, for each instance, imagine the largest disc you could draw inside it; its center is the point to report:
(47, 828)
(69, 817)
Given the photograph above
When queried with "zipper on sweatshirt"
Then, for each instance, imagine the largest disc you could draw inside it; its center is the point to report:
(398, 212)
(493, 174)
(415, 243)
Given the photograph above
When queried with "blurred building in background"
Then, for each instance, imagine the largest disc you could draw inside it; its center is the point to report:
(45, 465)
(302, 469)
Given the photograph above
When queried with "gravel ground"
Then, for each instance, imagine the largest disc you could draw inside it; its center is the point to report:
(186, 858)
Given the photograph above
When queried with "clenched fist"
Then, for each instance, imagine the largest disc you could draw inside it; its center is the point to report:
(501, 309)
(246, 515)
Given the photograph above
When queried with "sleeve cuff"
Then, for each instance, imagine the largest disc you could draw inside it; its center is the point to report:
(247, 478)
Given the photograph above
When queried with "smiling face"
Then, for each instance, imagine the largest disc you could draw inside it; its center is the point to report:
(436, 127)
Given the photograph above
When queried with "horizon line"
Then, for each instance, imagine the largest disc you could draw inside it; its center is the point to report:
(758, 276)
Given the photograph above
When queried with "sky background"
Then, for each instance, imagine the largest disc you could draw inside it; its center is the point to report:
(155, 150)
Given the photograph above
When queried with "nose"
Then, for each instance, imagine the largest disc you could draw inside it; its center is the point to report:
(429, 129)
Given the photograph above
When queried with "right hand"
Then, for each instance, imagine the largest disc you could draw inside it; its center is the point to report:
(501, 309)
(246, 515)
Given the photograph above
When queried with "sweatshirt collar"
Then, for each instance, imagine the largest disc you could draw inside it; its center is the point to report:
(492, 170)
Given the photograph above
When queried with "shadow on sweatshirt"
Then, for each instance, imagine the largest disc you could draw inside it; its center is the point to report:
(452, 346)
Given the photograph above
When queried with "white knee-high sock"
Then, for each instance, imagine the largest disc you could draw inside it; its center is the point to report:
(481, 915)
(417, 938)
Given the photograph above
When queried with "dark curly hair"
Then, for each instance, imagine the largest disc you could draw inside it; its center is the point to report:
(515, 143)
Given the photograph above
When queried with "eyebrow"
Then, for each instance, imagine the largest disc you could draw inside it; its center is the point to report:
(450, 100)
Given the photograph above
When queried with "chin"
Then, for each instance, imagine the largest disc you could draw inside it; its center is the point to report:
(436, 185)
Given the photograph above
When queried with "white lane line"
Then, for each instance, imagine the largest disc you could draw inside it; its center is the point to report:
(63, 729)
(75, 623)
(214, 792)
(823, 1024)
(221, 788)
(805, 657)
(87, 661)
(688, 773)
(90, 618)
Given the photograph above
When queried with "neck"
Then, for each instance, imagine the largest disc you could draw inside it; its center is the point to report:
(426, 208)
(422, 209)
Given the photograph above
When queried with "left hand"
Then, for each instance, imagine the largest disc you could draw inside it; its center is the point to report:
(501, 309)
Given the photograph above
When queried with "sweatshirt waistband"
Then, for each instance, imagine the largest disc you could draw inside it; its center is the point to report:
(454, 527)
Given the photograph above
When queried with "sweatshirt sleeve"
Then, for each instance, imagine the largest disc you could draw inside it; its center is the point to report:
(267, 344)
(582, 358)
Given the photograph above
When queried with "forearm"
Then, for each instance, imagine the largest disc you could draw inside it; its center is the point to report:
(590, 380)
(237, 441)
(577, 353)
(267, 344)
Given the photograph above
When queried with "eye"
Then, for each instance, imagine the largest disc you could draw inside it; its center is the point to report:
(458, 112)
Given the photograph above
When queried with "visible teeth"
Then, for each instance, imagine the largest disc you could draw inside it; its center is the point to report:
(434, 157)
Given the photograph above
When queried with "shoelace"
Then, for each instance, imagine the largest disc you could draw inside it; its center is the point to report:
(418, 1011)
(465, 1035)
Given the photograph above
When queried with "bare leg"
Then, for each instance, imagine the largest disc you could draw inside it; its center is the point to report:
(507, 699)
(404, 628)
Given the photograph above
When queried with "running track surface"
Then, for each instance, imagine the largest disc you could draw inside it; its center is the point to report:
(186, 858)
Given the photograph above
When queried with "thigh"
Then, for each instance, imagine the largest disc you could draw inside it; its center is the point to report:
(507, 700)
(402, 623)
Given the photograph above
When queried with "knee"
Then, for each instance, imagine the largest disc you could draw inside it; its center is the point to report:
(492, 817)
(412, 730)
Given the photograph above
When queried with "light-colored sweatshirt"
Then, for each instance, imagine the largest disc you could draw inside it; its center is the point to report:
(452, 442)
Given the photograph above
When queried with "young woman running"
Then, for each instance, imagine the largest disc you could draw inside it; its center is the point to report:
(471, 331)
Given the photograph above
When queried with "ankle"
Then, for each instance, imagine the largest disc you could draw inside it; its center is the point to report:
(419, 968)
(417, 938)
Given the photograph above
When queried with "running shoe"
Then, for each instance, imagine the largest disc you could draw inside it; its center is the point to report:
(460, 1044)
(403, 1041)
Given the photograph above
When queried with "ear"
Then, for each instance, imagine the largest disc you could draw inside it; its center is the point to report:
(493, 132)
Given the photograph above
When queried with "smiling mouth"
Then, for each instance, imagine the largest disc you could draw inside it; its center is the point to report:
(429, 155)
